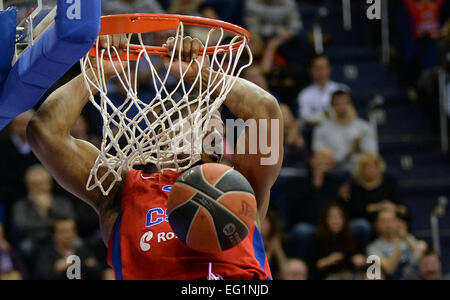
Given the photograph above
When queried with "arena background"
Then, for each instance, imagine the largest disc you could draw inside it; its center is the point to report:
(398, 76)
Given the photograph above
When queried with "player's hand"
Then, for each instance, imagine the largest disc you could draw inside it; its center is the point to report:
(190, 48)
(111, 42)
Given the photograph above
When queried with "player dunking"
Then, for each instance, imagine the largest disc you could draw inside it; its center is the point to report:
(133, 220)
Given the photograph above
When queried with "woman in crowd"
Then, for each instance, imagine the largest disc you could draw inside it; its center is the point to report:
(336, 255)
(372, 189)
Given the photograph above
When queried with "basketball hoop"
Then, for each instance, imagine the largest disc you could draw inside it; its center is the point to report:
(166, 130)
(145, 23)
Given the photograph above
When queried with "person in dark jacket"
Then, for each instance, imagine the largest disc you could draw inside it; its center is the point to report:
(336, 254)
(372, 189)
(53, 261)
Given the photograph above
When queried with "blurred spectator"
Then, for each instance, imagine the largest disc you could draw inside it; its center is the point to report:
(33, 216)
(271, 18)
(345, 133)
(425, 15)
(272, 236)
(372, 189)
(315, 100)
(52, 261)
(318, 189)
(295, 153)
(11, 264)
(108, 274)
(308, 197)
(421, 48)
(428, 86)
(279, 20)
(295, 269)
(336, 254)
(397, 249)
(185, 7)
(430, 267)
(267, 54)
(113, 7)
(16, 158)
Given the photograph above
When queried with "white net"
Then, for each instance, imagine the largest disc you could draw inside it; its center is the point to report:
(166, 129)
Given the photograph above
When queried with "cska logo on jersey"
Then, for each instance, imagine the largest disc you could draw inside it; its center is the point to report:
(156, 216)
(167, 188)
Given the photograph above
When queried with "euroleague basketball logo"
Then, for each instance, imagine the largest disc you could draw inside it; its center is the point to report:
(230, 232)
(229, 229)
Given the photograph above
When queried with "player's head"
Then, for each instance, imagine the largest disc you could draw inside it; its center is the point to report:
(320, 69)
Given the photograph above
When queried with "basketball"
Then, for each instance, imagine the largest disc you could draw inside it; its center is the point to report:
(212, 208)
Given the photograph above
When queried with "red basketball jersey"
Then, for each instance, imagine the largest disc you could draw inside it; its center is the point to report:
(143, 245)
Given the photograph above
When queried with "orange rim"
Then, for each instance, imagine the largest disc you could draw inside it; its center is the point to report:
(145, 23)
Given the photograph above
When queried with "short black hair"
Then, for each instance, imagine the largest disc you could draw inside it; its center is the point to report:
(339, 93)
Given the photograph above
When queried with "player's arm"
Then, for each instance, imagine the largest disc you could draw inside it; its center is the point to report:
(68, 159)
(255, 106)
(248, 102)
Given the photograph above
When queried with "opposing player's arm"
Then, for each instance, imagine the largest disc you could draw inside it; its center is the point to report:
(253, 105)
(69, 160)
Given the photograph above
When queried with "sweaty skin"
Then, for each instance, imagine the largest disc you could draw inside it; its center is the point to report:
(70, 160)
